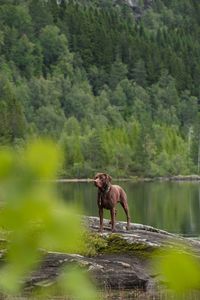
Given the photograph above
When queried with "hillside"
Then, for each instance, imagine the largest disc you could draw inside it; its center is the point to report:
(115, 83)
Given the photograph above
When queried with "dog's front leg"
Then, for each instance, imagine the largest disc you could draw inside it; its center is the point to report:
(100, 219)
(113, 214)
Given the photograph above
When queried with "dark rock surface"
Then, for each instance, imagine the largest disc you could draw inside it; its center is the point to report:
(136, 6)
(125, 267)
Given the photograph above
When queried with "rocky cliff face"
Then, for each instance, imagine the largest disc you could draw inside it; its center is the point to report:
(137, 3)
(137, 6)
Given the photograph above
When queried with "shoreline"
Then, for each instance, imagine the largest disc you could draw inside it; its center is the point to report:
(181, 178)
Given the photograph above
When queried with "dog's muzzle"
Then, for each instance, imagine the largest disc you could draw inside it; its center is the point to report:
(97, 183)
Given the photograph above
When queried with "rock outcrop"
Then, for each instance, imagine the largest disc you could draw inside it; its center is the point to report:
(136, 6)
(123, 264)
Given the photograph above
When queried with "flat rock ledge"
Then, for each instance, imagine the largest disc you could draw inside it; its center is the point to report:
(123, 264)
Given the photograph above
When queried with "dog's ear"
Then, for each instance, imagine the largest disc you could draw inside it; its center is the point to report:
(108, 178)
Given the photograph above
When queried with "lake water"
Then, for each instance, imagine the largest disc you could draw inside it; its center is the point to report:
(172, 206)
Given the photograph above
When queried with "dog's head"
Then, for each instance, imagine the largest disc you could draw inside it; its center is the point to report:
(101, 180)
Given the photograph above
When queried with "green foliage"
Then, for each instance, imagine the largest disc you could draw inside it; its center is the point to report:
(54, 45)
(12, 121)
(131, 87)
(73, 278)
(36, 218)
(95, 244)
(114, 243)
(179, 269)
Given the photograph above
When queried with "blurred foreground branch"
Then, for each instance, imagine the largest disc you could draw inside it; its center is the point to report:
(34, 217)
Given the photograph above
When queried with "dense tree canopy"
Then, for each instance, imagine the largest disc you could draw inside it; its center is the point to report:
(118, 92)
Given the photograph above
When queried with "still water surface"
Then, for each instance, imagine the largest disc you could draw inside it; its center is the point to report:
(172, 206)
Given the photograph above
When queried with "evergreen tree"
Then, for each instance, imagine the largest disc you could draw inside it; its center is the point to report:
(102, 83)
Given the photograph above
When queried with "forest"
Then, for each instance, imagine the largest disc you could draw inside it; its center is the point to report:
(117, 92)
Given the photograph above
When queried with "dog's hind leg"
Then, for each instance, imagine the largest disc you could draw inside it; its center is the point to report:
(124, 204)
(126, 209)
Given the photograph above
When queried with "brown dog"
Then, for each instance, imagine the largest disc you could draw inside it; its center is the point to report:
(108, 197)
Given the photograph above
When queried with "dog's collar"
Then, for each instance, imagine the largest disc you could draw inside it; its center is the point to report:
(106, 189)
(104, 192)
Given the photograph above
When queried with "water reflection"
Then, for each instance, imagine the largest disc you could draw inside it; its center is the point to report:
(172, 206)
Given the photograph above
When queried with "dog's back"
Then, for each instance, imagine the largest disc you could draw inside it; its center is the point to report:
(121, 195)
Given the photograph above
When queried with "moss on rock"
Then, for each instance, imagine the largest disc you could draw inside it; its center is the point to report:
(114, 243)
(117, 244)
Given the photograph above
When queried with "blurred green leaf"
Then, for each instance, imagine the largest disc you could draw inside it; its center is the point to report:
(76, 282)
(62, 231)
(179, 269)
(35, 217)
(6, 163)
(43, 159)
